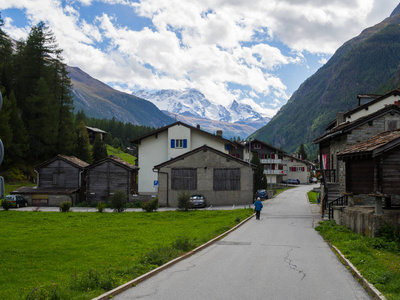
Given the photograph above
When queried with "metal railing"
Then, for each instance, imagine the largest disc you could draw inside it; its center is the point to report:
(339, 201)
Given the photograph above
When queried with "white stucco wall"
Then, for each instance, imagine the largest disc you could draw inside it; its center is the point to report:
(151, 152)
(156, 149)
(373, 108)
(199, 139)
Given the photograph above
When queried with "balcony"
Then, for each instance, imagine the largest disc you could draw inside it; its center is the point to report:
(275, 172)
(270, 161)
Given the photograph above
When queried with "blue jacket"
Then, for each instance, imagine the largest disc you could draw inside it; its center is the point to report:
(258, 205)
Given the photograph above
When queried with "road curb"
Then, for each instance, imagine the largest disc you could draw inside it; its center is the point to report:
(364, 282)
(128, 285)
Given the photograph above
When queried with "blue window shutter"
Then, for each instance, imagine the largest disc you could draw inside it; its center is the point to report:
(172, 143)
(185, 143)
(226, 146)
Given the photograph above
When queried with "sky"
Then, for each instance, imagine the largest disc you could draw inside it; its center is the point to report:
(254, 51)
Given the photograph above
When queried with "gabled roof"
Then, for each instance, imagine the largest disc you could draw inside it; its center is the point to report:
(366, 105)
(204, 148)
(265, 144)
(69, 159)
(116, 160)
(374, 146)
(348, 126)
(157, 131)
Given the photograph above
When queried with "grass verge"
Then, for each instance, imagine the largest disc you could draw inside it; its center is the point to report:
(377, 259)
(82, 255)
(312, 197)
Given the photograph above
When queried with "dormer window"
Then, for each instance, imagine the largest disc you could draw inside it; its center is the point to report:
(257, 146)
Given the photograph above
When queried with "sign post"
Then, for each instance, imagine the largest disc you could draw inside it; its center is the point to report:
(155, 185)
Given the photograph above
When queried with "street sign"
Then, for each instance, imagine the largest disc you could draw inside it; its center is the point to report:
(155, 182)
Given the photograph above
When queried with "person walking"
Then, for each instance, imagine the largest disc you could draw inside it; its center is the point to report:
(258, 207)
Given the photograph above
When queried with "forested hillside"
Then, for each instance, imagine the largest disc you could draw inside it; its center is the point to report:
(366, 64)
(37, 120)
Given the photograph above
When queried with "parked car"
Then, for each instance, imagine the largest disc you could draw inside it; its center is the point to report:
(262, 194)
(18, 200)
(291, 181)
(198, 201)
(313, 180)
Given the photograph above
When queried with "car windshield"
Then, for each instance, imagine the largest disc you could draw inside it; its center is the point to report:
(196, 197)
(9, 197)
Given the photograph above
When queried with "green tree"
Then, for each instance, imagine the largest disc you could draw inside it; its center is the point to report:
(42, 123)
(302, 151)
(259, 179)
(82, 150)
(99, 148)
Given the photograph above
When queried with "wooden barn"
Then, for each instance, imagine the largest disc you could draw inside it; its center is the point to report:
(372, 166)
(58, 179)
(108, 175)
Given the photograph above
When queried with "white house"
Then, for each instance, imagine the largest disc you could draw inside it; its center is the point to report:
(167, 143)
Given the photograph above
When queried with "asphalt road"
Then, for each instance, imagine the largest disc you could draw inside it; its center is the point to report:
(278, 257)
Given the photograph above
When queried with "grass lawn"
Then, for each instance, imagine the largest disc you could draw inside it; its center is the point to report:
(378, 259)
(81, 255)
(124, 156)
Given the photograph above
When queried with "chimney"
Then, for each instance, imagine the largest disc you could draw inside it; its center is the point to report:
(339, 118)
(219, 133)
(198, 126)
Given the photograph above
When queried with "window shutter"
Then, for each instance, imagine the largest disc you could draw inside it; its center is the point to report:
(303, 169)
(226, 146)
(185, 143)
(172, 143)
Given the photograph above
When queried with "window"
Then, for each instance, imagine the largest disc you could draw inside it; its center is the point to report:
(184, 179)
(178, 143)
(226, 179)
(257, 146)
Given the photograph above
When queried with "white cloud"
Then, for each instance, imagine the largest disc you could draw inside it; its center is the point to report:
(205, 44)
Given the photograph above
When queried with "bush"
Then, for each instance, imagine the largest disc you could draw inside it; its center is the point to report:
(118, 201)
(101, 206)
(81, 204)
(65, 206)
(151, 205)
(184, 244)
(184, 203)
(136, 204)
(7, 204)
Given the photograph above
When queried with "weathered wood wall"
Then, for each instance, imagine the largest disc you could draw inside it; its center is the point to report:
(104, 179)
(59, 174)
(391, 172)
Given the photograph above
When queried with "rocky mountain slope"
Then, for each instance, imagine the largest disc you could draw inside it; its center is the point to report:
(100, 101)
(366, 64)
(192, 103)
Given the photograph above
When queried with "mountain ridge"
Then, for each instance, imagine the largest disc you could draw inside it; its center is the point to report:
(365, 64)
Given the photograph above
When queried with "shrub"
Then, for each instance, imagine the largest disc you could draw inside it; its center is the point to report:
(118, 201)
(7, 204)
(184, 244)
(184, 203)
(81, 204)
(100, 206)
(65, 206)
(151, 205)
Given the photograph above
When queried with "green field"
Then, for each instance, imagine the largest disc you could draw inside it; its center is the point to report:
(51, 255)
(124, 156)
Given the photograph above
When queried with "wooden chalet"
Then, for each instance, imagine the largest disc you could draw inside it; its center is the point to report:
(59, 180)
(372, 166)
(108, 175)
(93, 132)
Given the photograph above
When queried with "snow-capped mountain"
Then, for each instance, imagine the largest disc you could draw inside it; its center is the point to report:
(192, 103)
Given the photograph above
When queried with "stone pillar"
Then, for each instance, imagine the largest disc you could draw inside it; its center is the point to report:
(378, 206)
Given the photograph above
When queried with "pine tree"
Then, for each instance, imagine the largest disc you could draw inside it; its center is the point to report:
(82, 150)
(6, 67)
(99, 148)
(6, 135)
(260, 181)
(42, 123)
(19, 146)
(302, 151)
